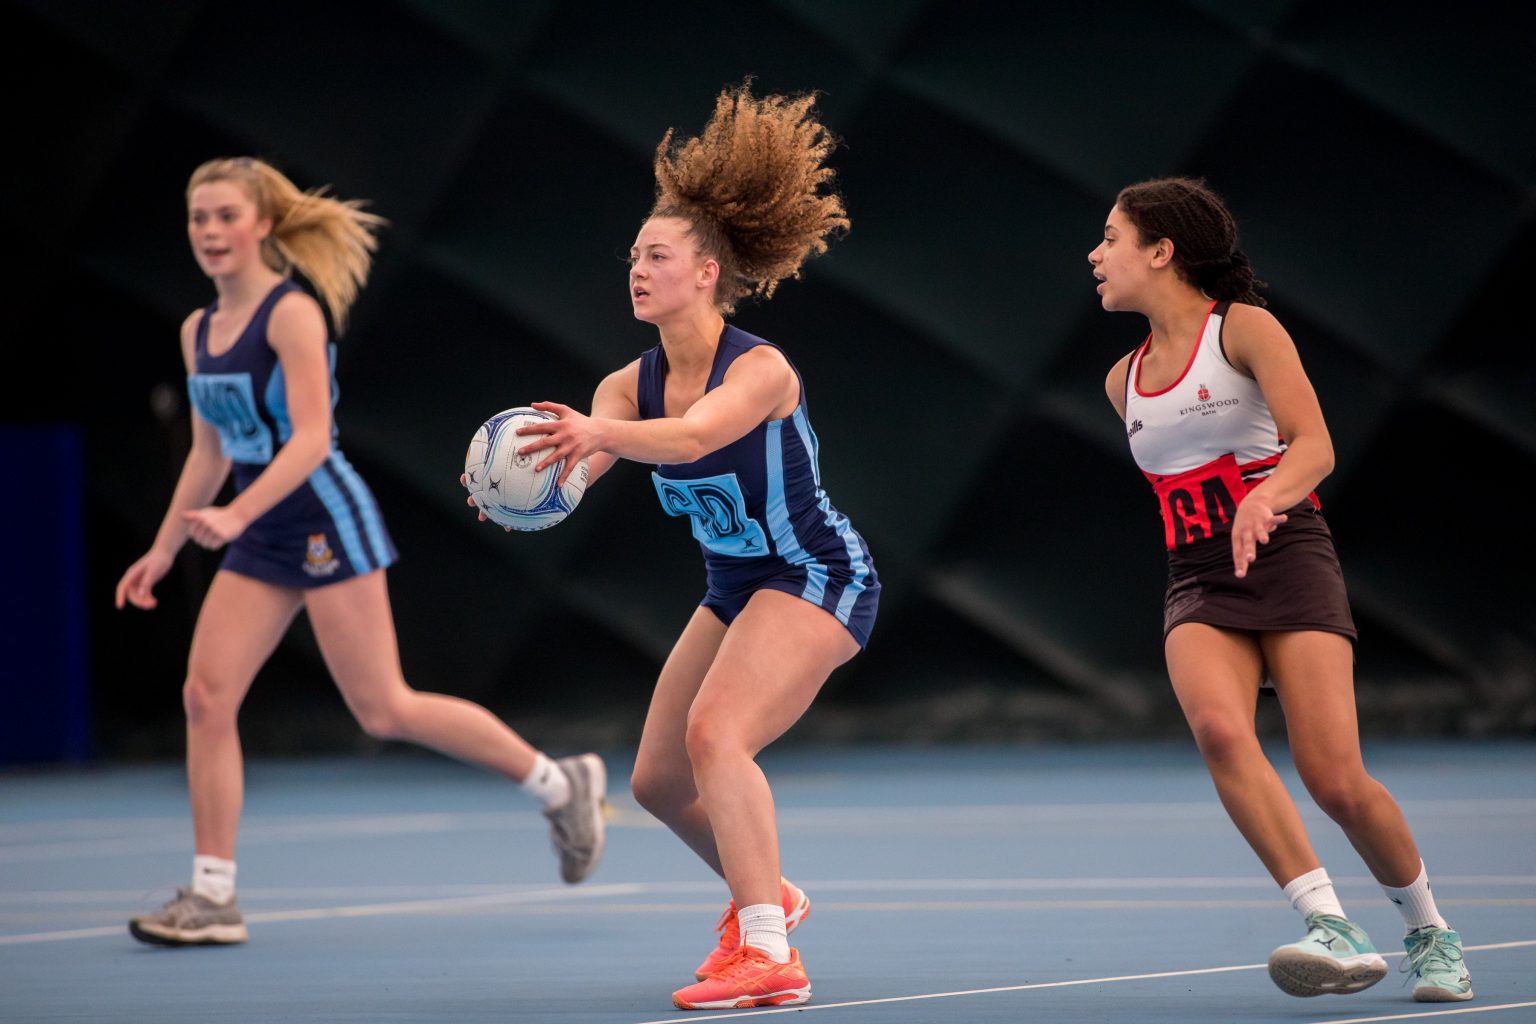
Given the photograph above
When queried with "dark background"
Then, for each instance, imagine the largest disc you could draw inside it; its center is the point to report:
(1380, 159)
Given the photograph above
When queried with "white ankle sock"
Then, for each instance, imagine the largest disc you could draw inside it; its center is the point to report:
(547, 784)
(1416, 903)
(213, 878)
(762, 926)
(1313, 893)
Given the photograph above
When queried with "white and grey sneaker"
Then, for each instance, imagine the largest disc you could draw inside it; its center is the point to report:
(191, 920)
(576, 827)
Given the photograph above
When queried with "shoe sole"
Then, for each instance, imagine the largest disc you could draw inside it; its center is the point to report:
(1436, 994)
(1306, 975)
(599, 814)
(788, 997)
(213, 935)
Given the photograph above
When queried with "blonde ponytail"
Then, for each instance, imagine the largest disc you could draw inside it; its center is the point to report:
(331, 241)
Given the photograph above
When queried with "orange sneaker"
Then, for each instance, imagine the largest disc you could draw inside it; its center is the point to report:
(796, 905)
(748, 977)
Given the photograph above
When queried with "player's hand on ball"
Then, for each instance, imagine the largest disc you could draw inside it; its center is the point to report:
(470, 501)
(510, 481)
(571, 437)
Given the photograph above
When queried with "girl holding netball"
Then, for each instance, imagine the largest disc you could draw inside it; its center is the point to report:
(1224, 423)
(722, 414)
(303, 531)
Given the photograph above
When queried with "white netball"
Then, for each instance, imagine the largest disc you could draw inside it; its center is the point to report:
(503, 483)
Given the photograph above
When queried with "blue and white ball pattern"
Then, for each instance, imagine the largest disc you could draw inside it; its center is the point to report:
(503, 483)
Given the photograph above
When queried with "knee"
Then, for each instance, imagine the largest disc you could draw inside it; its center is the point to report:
(383, 718)
(1345, 798)
(1223, 739)
(207, 701)
(707, 739)
(657, 791)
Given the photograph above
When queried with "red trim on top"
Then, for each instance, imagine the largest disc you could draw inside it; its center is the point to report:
(1270, 461)
(1136, 382)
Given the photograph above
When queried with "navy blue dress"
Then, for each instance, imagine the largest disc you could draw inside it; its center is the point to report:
(758, 510)
(329, 529)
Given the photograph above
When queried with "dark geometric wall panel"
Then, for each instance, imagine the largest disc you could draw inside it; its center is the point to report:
(1381, 162)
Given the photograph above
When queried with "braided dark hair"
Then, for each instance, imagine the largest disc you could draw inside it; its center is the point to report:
(1193, 217)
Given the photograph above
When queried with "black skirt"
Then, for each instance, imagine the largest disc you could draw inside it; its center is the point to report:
(1294, 583)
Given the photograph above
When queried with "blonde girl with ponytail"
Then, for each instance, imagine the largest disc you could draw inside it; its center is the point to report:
(303, 531)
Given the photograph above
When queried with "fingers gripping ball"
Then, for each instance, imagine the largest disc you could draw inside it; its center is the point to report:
(503, 483)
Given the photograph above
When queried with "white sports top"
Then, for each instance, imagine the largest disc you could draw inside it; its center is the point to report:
(1203, 441)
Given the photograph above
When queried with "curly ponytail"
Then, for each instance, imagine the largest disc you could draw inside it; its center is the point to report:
(1203, 232)
(753, 188)
(331, 241)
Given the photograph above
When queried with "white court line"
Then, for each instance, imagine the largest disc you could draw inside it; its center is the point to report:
(126, 837)
(511, 896)
(804, 1007)
(656, 909)
(362, 910)
(1429, 1013)
(906, 885)
(19, 842)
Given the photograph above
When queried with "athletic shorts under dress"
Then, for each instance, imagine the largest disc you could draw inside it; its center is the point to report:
(329, 529)
(758, 510)
(1203, 442)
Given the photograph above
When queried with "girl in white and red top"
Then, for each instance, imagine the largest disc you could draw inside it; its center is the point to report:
(1224, 423)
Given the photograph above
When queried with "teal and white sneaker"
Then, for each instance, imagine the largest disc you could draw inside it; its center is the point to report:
(1335, 956)
(1435, 961)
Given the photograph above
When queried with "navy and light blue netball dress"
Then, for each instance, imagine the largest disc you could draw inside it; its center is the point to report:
(329, 529)
(758, 510)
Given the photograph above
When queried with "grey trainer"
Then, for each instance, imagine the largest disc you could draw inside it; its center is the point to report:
(190, 920)
(576, 827)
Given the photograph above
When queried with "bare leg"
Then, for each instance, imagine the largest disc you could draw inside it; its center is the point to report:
(356, 632)
(239, 625)
(663, 777)
(1216, 674)
(1314, 676)
(771, 664)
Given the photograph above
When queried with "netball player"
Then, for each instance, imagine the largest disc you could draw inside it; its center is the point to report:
(302, 532)
(791, 588)
(1224, 423)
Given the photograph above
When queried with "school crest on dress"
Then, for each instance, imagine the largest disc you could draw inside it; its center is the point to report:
(319, 560)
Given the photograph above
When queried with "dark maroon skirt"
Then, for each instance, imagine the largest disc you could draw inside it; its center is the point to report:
(1295, 583)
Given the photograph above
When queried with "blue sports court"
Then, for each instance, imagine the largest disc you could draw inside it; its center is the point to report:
(1052, 883)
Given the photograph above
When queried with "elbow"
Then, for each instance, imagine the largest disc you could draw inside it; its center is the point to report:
(312, 450)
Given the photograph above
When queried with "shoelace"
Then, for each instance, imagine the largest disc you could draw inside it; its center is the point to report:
(1435, 951)
(743, 960)
(1331, 922)
(727, 920)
